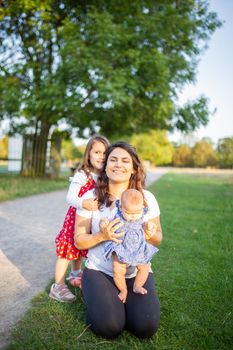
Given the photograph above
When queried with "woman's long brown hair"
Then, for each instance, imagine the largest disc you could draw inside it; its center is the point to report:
(137, 180)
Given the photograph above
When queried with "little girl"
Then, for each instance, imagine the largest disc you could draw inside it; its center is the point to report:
(83, 180)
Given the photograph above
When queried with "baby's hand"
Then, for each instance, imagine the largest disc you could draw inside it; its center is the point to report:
(149, 229)
(90, 204)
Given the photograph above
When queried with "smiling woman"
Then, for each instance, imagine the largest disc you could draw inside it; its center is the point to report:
(106, 313)
(119, 166)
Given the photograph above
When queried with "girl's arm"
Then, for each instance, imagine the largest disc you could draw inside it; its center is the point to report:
(84, 240)
(72, 197)
(77, 182)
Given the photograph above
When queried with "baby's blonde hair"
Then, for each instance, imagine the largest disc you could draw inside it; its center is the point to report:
(132, 196)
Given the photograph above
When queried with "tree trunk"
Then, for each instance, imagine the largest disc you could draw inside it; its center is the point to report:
(55, 156)
(35, 152)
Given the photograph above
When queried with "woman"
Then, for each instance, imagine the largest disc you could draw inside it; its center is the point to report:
(106, 314)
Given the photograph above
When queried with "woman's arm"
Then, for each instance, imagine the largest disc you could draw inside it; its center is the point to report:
(84, 240)
(152, 218)
(155, 235)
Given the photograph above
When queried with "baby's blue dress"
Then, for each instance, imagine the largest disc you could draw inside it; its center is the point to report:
(134, 249)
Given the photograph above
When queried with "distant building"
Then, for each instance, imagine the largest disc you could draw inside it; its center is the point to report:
(15, 149)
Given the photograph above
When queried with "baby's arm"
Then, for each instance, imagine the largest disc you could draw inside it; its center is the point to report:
(149, 229)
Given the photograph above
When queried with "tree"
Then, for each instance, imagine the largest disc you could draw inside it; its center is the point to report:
(182, 156)
(203, 154)
(102, 65)
(225, 152)
(154, 147)
(70, 152)
(4, 147)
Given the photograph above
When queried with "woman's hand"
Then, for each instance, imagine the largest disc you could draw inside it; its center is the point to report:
(149, 229)
(90, 204)
(109, 228)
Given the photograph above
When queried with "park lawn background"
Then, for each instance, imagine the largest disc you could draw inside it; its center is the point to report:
(15, 186)
(193, 272)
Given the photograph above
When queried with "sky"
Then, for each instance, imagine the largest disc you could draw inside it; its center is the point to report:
(215, 77)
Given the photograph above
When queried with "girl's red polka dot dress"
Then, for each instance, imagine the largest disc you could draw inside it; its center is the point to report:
(65, 240)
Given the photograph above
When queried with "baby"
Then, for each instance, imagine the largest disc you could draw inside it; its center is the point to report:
(133, 250)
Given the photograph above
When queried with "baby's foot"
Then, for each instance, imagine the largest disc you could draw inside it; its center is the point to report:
(139, 290)
(123, 295)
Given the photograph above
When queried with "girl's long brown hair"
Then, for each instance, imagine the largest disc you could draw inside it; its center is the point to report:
(137, 180)
(85, 164)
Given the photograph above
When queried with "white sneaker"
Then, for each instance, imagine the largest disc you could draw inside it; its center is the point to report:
(61, 292)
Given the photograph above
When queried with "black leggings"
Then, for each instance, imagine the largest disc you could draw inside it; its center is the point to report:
(108, 316)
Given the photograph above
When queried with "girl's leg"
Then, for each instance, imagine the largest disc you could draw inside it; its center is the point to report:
(60, 270)
(142, 311)
(59, 290)
(140, 279)
(105, 311)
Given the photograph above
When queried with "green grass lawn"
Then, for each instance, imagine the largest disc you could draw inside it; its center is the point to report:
(193, 271)
(15, 186)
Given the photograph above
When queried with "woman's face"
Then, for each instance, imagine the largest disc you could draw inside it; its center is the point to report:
(119, 167)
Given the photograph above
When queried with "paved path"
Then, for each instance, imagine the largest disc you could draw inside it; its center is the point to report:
(28, 227)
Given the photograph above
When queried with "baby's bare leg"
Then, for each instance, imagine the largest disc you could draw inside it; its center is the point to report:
(140, 279)
(119, 270)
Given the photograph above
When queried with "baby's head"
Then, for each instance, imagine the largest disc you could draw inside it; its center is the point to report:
(132, 203)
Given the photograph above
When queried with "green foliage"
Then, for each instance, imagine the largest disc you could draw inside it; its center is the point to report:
(4, 147)
(104, 66)
(132, 60)
(154, 147)
(182, 156)
(102, 63)
(70, 151)
(225, 152)
(10, 94)
(192, 115)
(203, 154)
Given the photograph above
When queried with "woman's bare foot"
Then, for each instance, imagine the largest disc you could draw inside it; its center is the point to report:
(139, 290)
(123, 295)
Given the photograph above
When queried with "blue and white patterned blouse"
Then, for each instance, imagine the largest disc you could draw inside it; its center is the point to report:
(133, 249)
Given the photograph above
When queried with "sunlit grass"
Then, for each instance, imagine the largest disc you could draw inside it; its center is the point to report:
(15, 186)
(193, 272)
